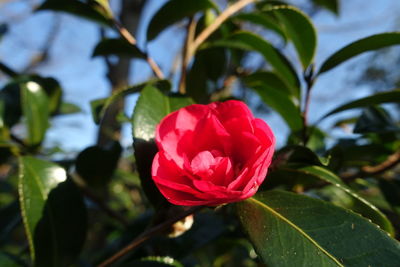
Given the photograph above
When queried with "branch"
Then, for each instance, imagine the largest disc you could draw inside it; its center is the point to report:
(366, 171)
(217, 22)
(43, 55)
(148, 234)
(129, 37)
(191, 29)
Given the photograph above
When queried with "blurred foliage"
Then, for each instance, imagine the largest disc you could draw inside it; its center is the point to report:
(323, 203)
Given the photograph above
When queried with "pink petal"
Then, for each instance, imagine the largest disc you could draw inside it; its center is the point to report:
(202, 164)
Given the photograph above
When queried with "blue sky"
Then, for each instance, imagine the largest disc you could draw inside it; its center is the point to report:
(83, 78)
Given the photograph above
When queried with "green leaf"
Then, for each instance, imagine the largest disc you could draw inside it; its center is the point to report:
(8, 261)
(331, 5)
(36, 179)
(35, 108)
(68, 108)
(287, 229)
(174, 11)
(96, 165)
(370, 43)
(52, 88)
(119, 47)
(208, 66)
(151, 107)
(375, 120)
(299, 29)
(361, 205)
(251, 42)
(99, 106)
(93, 11)
(276, 94)
(379, 98)
(262, 19)
(61, 232)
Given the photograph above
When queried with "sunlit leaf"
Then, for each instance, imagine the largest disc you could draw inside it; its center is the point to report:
(259, 18)
(276, 94)
(361, 206)
(99, 106)
(370, 43)
(151, 107)
(174, 11)
(288, 229)
(251, 42)
(36, 179)
(299, 29)
(35, 108)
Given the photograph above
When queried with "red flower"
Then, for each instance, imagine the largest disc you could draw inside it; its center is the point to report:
(211, 154)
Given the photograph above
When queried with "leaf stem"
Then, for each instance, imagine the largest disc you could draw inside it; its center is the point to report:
(131, 39)
(309, 79)
(148, 234)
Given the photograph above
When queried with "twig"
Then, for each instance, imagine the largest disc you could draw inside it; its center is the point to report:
(191, 29)
(129, 37)
(382, 167)
(41, 57)
(217, 22)
(7, 70)
(148, 234)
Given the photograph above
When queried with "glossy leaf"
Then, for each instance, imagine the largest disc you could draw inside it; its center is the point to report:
(300, 30)
(35, 108)
(99, 106)
(361, 206)
(151, 107)
(94, 11)
(119, 47)
(356, 48)
(379, 98)
(174, 11)
(288, 229)
(61, 232)
(274, 93)
(251, 42)
(262, 19)
(331, 5)
(36, 179)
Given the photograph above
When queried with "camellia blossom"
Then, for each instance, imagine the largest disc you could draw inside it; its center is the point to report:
(211, 154)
